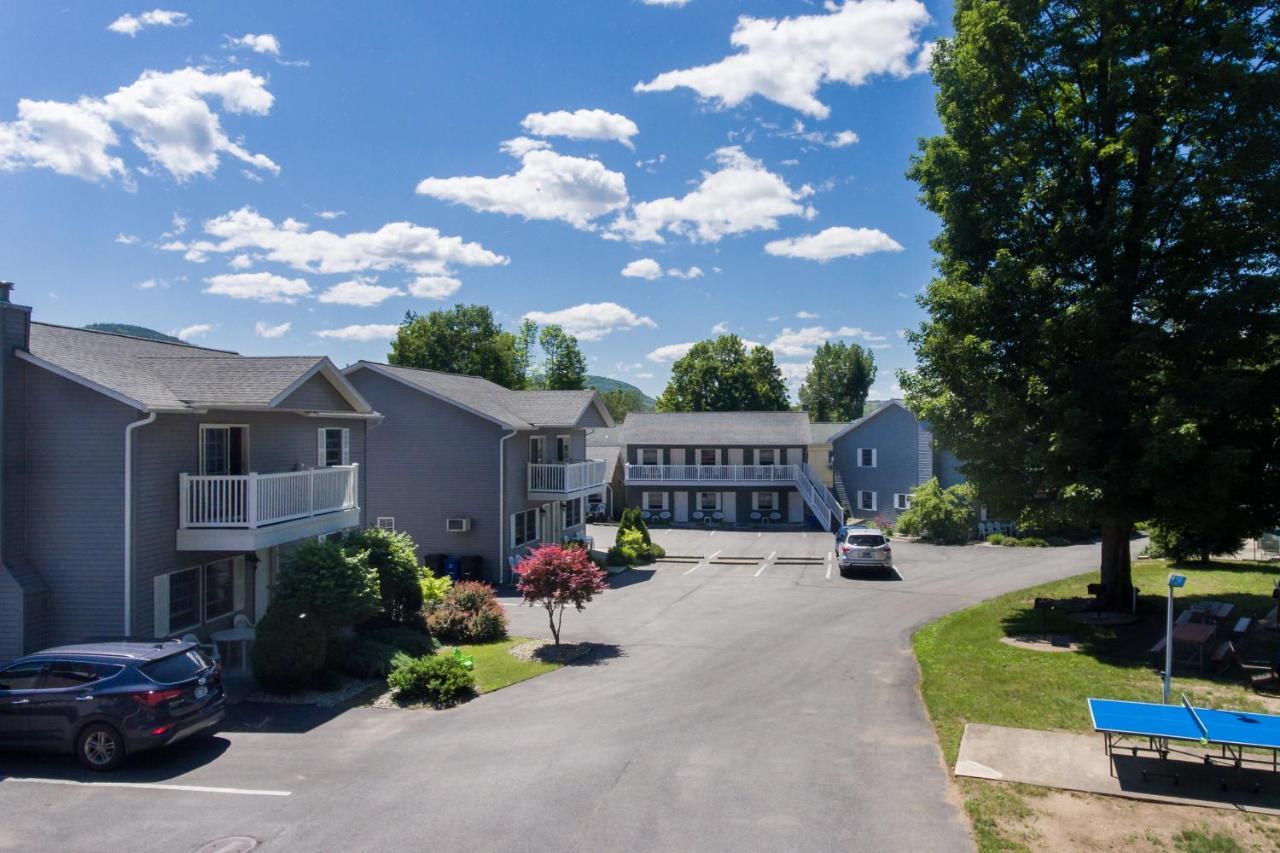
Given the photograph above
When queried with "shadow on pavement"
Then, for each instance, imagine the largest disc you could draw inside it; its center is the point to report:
(156, 765)
(580, 654)
(279, 717)
(630, 577)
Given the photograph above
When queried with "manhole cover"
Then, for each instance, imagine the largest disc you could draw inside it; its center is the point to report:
(232, 844)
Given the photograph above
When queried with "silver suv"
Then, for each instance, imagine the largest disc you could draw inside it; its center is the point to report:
(864, 547)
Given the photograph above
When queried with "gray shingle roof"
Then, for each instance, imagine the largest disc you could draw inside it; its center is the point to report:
(518, 409)
(161, 375)
(718, 428)
(600, 437)
(820, 433)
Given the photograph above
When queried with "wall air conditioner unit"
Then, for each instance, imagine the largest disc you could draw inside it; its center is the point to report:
(457, 525)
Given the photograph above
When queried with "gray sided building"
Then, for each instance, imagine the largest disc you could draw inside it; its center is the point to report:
(467, 467)
(725, 467)
(149, 489)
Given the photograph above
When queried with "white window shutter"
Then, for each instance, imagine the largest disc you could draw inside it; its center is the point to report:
(160, 605)
(346, 446)
(237, 584)
(320, 448)
(873, 457)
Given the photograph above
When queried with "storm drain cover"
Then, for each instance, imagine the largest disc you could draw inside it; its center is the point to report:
(231, 844)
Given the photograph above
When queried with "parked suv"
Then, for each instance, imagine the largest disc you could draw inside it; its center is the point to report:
(864, 547)
(106, 701)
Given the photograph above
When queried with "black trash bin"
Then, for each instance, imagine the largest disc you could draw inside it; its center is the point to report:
(470, 566)
(434, 562)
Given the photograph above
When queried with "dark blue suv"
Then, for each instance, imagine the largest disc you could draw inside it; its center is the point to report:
(105, 701)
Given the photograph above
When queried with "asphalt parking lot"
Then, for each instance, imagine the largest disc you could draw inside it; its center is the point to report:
(725, 708)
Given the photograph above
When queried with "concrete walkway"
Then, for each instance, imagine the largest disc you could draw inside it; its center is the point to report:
(1077, 762)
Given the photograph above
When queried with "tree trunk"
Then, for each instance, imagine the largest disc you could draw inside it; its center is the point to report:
(1117, 572)
(555, 629)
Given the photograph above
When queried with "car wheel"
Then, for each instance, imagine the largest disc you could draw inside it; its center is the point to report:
(100, 747)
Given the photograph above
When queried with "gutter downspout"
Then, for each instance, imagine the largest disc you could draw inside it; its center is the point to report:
(502, 509)
(128, 520)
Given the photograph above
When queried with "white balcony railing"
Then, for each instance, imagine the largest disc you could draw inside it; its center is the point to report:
(257, 500)
(712, 473)
(566, 477)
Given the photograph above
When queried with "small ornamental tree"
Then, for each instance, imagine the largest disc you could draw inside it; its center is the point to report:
(554, 576)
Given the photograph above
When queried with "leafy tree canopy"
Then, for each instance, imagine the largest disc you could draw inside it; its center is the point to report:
(836, 386)
(564, 368)
(462, 339)
(1102, 331)
(720, 375)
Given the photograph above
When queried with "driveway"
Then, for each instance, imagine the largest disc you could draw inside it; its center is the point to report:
(732, 709)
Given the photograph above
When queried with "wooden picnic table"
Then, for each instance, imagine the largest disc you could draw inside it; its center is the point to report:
(1192, 637)
(1215, 612)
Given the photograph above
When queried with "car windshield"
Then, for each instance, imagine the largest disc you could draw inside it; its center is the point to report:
(865, 540)
(177, 667)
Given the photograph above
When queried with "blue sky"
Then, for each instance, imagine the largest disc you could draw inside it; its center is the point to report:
(282, 178)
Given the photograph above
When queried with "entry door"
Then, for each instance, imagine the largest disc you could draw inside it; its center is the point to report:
(682, 507)
(553, 522)
(793, 456)
(224, 450)
(795, 507)
(729, 506)
(677, 456)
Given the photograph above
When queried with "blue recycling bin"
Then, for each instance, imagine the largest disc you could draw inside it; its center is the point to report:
(451, 567)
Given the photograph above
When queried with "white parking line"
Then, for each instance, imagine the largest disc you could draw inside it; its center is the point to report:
(828, 565)
(765, 564)
(713, 533)
(705, 560)
(198, 789)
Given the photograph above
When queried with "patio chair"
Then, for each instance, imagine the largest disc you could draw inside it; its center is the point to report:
(697, 516)
(755, 516)
(645, 514)
(467, 661)
(775, 516)
(718, 516)
(665, 515)
(212, 647)
(241, 621)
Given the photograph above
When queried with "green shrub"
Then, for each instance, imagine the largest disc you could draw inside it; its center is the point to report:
(633, 520)
(329, 584)
(996, 539)
(438, 679)
(394, 557)
(1180, 543)
(403, 638)
(1011, 542)
(940, 515)
(468, 614)
(361, 657)
(633, 546)
(1057, 541)
(1032, 542)
(289, 649)
(434, 589)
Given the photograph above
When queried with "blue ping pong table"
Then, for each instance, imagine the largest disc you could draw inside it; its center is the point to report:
(1149, 728)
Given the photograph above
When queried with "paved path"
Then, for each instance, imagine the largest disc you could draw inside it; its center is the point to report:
(740, 710)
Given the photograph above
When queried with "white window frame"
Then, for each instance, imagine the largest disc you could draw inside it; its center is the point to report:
(539, 455)
(861, 504)
(716, 502)
(644, 501)
(198, 568)
(244, 450)
(386, 522)
(645, 451)
(581, 514)
(901, 500)
(564, 443)
(874, 460)
(773, 502)
(714, 450)
(322, 446)
(537, 527)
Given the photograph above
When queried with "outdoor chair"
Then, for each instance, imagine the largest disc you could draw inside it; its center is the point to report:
(645, 514)
(665, 515)
(718, 516)
(755, 516)
(775, 516)
(697, 516)
(241, 621)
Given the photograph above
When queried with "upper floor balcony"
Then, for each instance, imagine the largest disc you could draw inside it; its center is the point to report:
(246, 512)
(549, 481)
(725, 475)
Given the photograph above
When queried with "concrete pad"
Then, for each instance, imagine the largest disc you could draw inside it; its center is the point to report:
(1076, 762)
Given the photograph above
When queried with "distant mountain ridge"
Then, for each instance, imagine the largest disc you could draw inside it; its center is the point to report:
(134, 332)
(604, 383)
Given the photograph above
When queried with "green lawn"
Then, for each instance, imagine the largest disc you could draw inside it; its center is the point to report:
(969, 676)
(495, 669)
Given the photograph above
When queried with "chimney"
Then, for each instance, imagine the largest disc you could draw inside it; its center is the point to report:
(6, 288)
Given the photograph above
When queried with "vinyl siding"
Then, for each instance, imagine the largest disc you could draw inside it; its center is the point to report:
(278, 441)
(516, 486)
(894, 435)
(430, 461)
(317, 394)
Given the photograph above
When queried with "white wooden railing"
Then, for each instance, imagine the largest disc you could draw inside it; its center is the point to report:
(256, 500)
(821, 502)
(566, 477)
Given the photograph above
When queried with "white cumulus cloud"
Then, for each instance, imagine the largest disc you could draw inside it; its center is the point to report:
(673, 3)
(576, 190)
(670, 353)
(260, 43)
(194, 331)
(367, 332)
(126, 239)
(582, 124)
(691, 272)
(646, 268)
(787, 60)
(799, 343)
(166, 115)
(260, 286)
(742, 195)
(806, 315)
(837, 242)
(331, 214)
(395, 246)
(434, 286)
(855, 332)
(265, 330)
(130, 25)
(592, 321)
(360, 292)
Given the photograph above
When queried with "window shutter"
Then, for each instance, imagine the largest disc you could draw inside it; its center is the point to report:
(160, 605)
(320, 448)
(237, 585)
(346, 446)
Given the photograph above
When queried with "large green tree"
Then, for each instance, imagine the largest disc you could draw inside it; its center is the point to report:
(622, 401)
(462, 339)
(1102, 332)
(836, 386)
(564, 368)
(721, 375)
